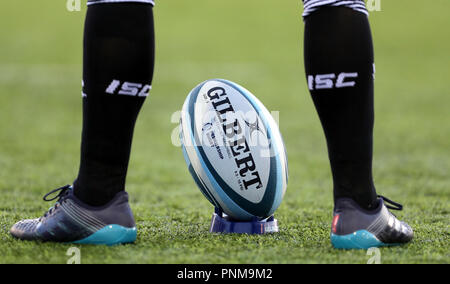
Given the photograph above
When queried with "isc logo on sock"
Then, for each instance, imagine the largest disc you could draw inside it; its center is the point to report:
(128, 89)
(330, 81)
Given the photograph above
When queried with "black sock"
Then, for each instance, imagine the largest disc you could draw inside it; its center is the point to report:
(339, 67)
(117, 75)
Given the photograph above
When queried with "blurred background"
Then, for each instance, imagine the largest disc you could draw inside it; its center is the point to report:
(258, 44)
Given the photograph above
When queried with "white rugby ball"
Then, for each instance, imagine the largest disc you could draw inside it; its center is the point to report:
(234, 150)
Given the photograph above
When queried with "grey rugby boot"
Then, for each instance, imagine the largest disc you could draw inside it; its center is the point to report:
(356, 228)
(72, 221)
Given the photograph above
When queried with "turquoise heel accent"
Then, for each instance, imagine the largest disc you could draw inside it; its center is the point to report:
(358, 240)
(111, 235)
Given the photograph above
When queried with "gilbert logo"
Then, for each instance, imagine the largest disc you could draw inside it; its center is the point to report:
(253, 126)
(235, 138)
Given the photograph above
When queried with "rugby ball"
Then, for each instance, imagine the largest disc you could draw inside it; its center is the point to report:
(234, 150)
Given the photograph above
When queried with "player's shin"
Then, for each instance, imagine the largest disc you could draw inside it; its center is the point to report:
(339, 67)
(117, 77)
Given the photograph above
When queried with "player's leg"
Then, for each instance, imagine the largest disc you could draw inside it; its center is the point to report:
(117, 75)
(339, 65)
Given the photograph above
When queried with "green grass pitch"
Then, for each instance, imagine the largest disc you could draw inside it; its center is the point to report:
(257, 43)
